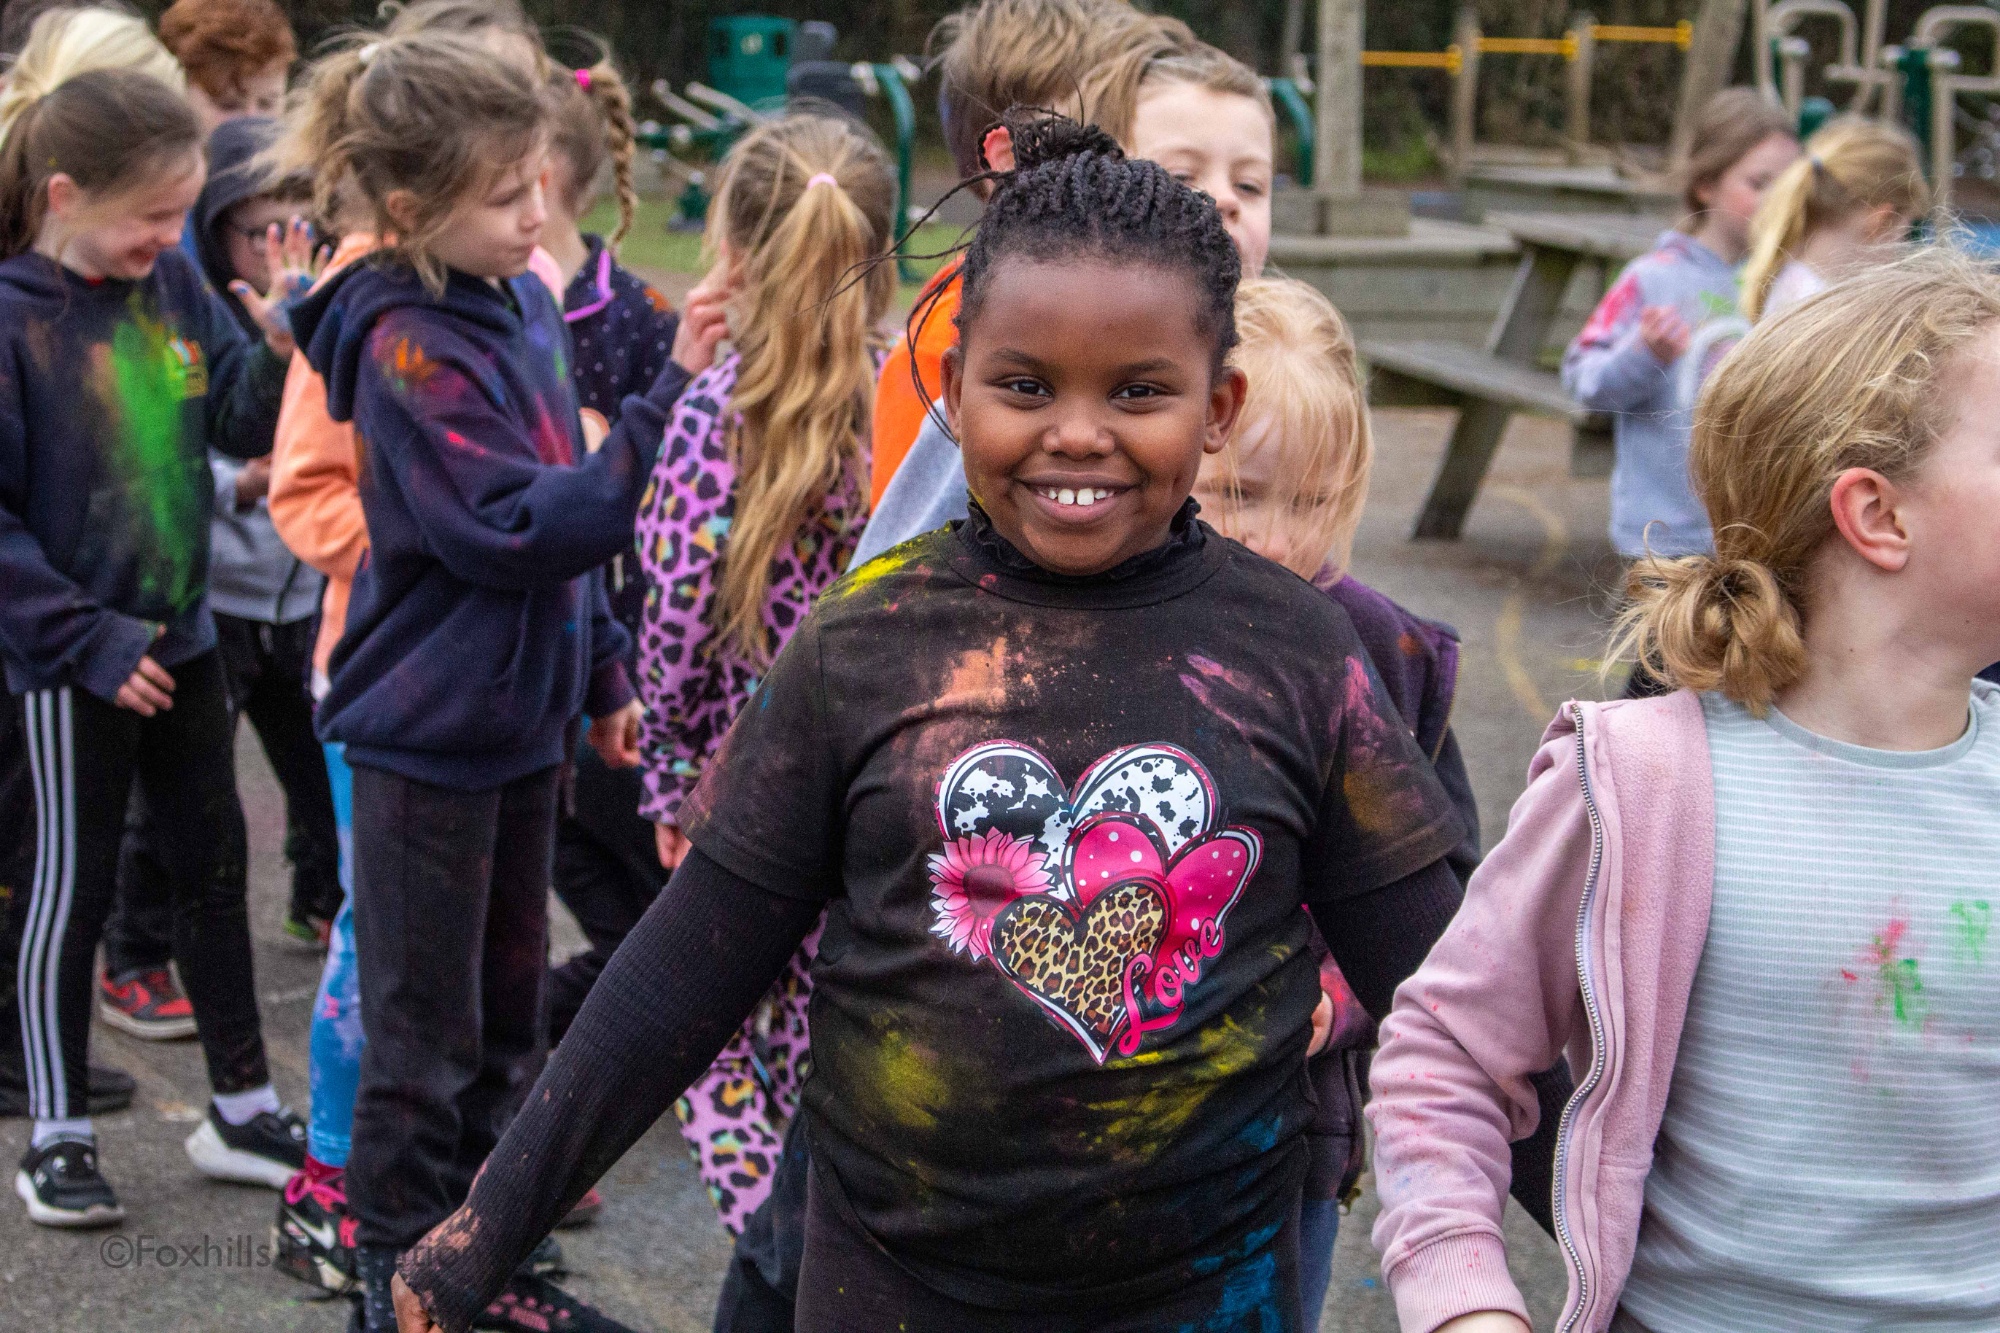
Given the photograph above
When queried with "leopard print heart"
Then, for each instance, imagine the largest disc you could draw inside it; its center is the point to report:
(1074, 963)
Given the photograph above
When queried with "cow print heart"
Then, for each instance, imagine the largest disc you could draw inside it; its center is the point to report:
(1074, 963)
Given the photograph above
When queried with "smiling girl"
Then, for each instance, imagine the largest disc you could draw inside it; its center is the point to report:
(123, 369)
(476, 635)
(1059, 778)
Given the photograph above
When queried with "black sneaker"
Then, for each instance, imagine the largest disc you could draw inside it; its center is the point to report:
(533, 1304)
(62, 1187)
(314, 1233)
(110, 1090)
(265, 1150)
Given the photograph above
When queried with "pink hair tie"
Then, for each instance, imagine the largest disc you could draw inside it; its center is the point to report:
(583, 79)
(822, 178)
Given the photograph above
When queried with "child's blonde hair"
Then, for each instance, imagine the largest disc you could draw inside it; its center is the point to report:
(1163, 51)
(803, 204)
(1306, 396)
(429, 112)
(67, 42)
(1850, 378)
(1849, 166)
(998, 54)
(593, 120)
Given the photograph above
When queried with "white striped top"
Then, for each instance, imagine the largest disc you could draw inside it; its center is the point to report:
(1830, 1156)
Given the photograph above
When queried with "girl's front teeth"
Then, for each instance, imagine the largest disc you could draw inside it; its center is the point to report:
(1066, 496)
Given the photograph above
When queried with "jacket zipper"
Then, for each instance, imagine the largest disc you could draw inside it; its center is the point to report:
(1589, 1085)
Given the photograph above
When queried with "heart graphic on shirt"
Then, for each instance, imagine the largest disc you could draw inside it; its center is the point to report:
(1102, 902)
(1074, 962)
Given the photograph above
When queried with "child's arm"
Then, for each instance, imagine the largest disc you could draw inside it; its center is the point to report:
(1493, 1005)
(1611, 367)
(44, 615)
(246, 381)
(315, 479)
(492, 512)
(696, 964)
(680, 530)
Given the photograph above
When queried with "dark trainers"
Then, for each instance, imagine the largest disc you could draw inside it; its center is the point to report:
(110, 1090)
(314, 1234)
(584, 1212)
(537, 1305)
(149, 1005)
(62, 1187)
(264, 1151)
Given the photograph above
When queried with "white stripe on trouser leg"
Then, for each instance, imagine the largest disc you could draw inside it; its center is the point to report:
(27, 972)
(52, 756)
(24, 973)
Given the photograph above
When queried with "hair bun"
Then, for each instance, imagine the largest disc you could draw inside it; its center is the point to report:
(1043, 136)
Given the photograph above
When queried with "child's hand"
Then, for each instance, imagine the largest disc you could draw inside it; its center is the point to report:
(1664, 332)
(150, 689)
(704, 322)
(1486, 1321)
(671, 844)
(616, 738)
(294, 266)
(411, 1316)
(1322, 1025)
(253, 483)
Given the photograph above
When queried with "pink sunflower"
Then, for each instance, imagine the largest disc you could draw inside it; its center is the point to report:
(973, 878)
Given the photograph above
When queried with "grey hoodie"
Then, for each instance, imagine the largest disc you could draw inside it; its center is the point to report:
(251, 575)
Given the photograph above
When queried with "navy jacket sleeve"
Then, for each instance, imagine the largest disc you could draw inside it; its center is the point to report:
(246, 381)
(492, 513)
(610, 688)
(45, 616)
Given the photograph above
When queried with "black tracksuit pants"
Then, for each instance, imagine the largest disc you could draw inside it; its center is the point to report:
(84, 756)
(607, 875)
(451, 913)
(267, 668)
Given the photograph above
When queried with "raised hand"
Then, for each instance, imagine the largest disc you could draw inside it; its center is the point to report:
(704, 321)
(294, 266)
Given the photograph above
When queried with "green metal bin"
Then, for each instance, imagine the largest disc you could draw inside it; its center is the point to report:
(749, 55)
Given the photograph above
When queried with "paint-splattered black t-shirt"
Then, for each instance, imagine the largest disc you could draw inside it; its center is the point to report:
(1066, 827)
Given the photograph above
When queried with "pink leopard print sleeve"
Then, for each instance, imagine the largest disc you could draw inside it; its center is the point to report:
(692, 683)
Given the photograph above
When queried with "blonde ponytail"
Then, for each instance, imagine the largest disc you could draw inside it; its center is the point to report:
(805, 205)
(1849, 378)
(64, 43)
(1850, 165)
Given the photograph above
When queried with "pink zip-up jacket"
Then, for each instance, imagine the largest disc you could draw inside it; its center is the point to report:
(1580, 934)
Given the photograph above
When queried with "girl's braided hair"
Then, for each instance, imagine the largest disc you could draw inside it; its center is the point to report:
(1074, 193)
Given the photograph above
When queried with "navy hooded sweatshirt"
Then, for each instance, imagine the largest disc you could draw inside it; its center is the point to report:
(476, 633)
(111, 393)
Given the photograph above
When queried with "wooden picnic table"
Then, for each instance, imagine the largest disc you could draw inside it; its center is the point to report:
(1489, 386)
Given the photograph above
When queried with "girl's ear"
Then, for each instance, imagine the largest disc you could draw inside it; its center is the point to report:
(401, 206)
(65, 195)
(953, 368)
(1225, 404)
(998, 149)
(1865, 510)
